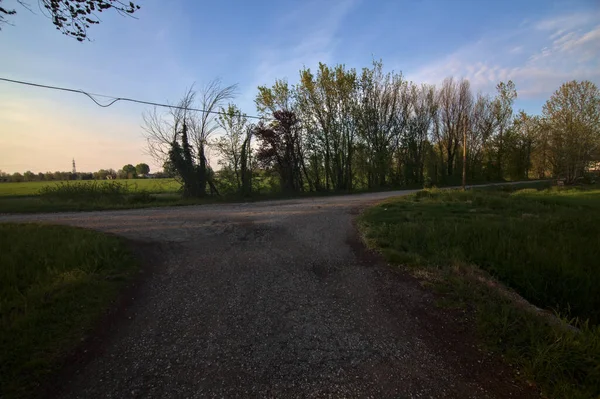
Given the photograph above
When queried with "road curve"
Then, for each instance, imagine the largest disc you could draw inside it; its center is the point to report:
(274, 299)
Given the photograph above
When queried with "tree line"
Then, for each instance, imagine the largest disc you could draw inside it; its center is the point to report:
(128, 171)
(339, 129)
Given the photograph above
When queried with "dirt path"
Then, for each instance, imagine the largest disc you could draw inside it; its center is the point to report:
(275, 299)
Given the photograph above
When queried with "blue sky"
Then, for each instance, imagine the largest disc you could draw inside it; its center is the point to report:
(537, 44)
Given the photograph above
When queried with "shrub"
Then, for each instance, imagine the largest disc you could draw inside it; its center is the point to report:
(94, 192)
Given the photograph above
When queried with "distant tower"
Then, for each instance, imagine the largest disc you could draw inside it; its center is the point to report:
(74, 169)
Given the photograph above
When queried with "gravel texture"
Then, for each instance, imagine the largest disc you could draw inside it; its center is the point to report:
(273, 299)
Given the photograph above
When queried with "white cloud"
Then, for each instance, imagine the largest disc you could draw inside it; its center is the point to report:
(538, 57)
(516, 50)
(566, 22)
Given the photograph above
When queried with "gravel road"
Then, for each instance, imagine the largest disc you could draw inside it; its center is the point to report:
(273, 299)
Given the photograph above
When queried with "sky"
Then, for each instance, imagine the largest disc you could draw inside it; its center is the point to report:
(539, 44)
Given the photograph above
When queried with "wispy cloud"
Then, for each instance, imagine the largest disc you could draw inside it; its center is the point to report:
(304, 37)
(538, 56)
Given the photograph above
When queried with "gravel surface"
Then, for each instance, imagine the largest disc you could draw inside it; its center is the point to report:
(274, 299)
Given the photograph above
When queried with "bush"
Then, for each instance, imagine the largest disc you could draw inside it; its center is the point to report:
(94, 192)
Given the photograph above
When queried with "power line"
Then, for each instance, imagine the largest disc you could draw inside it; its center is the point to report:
(115, 99)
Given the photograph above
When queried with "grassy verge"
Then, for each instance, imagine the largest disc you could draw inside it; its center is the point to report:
(542, 243)
(55, 283)
(121, 194)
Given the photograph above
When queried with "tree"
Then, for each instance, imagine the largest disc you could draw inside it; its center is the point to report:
(182, 135)
(572, 118)
(381, 116)
(128, 172)
(280, 141)
(73, 17)
(16, 177)
(278, 149)
(142, 169)
(414, 144)
(483, 125)
(168, 169)
(101, 174)
(29, 176)
(325, 103)
(230, 144)
(503, 110)
(453, 117)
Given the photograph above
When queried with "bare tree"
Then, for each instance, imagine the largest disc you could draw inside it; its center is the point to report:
(483, 124)
(423, 108)
(455, 102)
(181, 135)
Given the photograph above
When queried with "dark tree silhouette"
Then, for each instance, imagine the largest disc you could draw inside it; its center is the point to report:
(142, 169)
(73, 17)
(278, 148)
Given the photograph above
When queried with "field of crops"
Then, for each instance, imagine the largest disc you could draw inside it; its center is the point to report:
(154, 186)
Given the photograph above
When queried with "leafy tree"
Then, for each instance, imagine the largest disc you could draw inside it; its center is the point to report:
(169, 169)
(572, 118)
(16, 177)
(503, 110)
(142, 169)
(325, 102)
(230, 144)
(278, 149)
(74, 17)
(29, 176)
(128, 172)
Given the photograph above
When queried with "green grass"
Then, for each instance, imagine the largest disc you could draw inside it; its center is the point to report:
(543, 243)
(55, 283)
(153, 186)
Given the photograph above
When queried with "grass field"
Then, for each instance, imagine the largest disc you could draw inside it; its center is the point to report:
(544, 244)
(55, 283)
(153, 186)
(90, 195)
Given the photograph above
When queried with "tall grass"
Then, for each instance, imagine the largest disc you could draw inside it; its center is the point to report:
(545, 244)
(154, 186)
(93, 192)
(55, 282)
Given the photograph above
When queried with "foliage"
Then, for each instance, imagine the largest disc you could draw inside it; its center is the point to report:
(165, 134)
(572, 119)
(127, 172)
(278, 148)
(540, 242)
(234, 145)
(91, 192)
(74, 17)
(51, 297)
(142, 169)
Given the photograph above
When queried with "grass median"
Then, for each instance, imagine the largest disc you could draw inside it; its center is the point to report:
(55, 284)
(542, 243)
